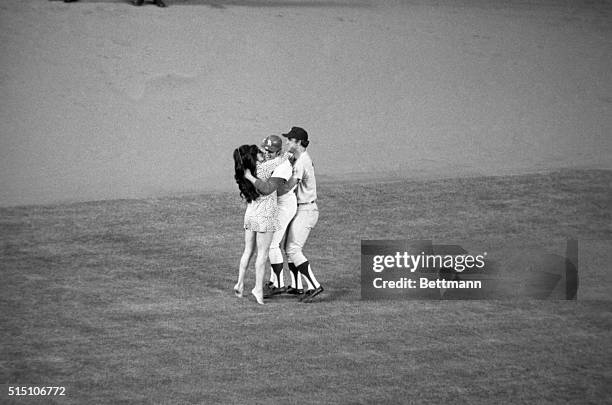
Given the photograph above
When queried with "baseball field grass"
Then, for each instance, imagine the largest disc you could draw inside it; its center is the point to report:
(131, 302)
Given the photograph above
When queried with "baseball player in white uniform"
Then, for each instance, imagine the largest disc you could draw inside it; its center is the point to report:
(287, 207)
(307, 213)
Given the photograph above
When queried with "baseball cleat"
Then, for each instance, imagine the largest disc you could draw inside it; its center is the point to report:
(274, 291)
(313, 293)
(267, 289)
(294, 291)
(305, 295)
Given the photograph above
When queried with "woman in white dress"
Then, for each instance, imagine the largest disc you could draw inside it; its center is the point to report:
(260, 218)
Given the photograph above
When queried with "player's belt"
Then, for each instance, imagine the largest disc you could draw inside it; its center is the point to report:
(306, 203)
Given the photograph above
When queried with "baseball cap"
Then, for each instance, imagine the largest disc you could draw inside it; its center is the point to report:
(297, 133)
(272, 143)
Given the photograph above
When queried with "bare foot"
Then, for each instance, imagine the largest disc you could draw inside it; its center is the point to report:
(238, 288)
(258, 296)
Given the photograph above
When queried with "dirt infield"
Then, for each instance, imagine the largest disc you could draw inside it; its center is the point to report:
(103, 100)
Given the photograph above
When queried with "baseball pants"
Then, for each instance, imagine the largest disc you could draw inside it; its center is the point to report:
(305, 219)
(287, 207)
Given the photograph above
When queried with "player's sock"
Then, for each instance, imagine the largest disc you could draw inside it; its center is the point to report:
(294, 275)
(309, 284)
(277, 270)
(272, 276)
(281, 278)
(306, 271)
(273, 280)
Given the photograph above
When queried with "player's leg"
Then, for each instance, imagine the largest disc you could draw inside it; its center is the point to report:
(263, 248)
(276, 285)
(296, 287)
(300, 229)
(276, 259)
(249, 249)
(294, 243)
(287, 206)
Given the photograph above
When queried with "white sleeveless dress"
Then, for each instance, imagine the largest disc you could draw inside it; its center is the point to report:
(262, 214)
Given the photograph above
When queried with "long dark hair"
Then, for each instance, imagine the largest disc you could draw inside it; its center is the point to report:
(245, 157)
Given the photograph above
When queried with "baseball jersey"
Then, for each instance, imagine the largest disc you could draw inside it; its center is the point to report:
(306, 190)
(284, 170)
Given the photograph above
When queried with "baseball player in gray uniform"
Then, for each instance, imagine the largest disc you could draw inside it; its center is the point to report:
(307, 213)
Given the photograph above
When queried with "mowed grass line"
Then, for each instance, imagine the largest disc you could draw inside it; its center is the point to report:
(130, 301)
